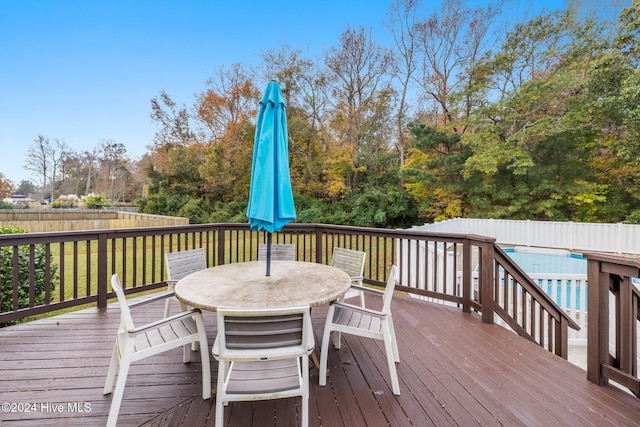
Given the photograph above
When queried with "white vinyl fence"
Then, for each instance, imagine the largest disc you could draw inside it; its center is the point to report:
(573, 236)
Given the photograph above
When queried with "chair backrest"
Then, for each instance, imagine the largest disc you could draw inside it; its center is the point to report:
(182, 263)
(260, 334)
(349, 261)
(126, 321)
(279, 252)
(388, 291)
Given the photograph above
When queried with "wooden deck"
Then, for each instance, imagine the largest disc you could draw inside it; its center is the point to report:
(454, 370)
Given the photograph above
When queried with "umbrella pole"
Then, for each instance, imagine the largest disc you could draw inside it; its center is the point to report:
(268, 254)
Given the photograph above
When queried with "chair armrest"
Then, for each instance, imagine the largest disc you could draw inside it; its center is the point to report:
(165, 321)
(359, 309)
(368, 290)
(158, 297)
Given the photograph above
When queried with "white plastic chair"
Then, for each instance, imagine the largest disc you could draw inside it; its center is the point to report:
(135, 343)
(279, 252)
(181, 264)
(363, 322)
(263, 354)
(351, 262)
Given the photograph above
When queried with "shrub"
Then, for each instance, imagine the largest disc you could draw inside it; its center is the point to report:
(633, 217)
(39, 268)
(61, 204)
(95, 201)
(65, 201)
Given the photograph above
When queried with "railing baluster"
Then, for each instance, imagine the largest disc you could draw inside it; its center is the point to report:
(47, 274)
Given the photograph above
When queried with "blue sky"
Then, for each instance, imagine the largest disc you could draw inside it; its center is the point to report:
(85, 71)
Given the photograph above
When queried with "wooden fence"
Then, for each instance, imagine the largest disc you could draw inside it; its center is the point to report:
(52, 220)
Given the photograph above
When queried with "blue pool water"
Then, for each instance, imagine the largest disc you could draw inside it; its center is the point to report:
(552, 263)
(543, 262)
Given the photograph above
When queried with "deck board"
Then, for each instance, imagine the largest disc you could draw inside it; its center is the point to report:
(454, 370)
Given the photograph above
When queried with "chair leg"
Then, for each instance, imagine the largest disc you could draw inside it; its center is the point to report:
(388, 346)
(336, 339)
(186, 353)
(113, 365)
(166, 307)
(168, 301)
(116, 399)
(392, 331)
(304, 416)
(324, 349)
(196, 344)
(204, 358)
(220, 403)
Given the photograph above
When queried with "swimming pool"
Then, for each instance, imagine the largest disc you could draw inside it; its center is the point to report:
(534, 261)
(549, 269)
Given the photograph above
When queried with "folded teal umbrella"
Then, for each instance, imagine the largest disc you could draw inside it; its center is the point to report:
(270, 196)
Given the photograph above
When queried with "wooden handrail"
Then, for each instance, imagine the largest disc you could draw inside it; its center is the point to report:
(529, 327)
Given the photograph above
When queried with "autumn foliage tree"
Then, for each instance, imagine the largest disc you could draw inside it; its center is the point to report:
(360, 95)
(458, 117)
(6, 187)
(227, 110)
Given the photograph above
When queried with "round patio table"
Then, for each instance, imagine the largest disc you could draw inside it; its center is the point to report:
(245, 285)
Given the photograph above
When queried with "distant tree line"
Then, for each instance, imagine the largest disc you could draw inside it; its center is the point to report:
(106, 169)
(470, 112)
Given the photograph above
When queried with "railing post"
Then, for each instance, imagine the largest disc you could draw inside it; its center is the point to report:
(319, 245)
(561, 346)
(611, 275)
(598, 321)
(221, 245)
(467, 276)
(103, 275)
(487, 281)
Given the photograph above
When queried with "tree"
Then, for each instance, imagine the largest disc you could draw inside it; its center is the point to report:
(227, 109)
(89, 160)
(433, 172)
(543, 148)
(38, 155)
(115, 171)
(403, 23)
(174, 121)
(58, 152)
(360, 97)
(304, 88)
(6, 187)
(26, 188)
(628, 43)
(45, 157)
(450, 46)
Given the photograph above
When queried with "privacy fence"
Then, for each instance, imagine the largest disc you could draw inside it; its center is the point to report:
(574, 236)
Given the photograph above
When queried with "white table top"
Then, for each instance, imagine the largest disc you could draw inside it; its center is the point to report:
(245, 285)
